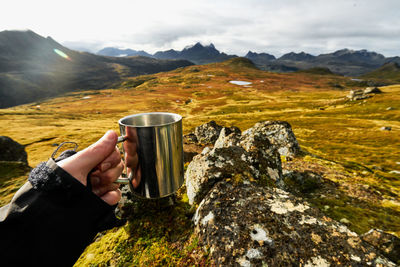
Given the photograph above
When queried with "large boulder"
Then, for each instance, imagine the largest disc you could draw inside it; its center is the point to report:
(12, 151)
(249, 225)
(214, 165)
(360, 94)
(372, 90)
(235, 157)
(279, 134)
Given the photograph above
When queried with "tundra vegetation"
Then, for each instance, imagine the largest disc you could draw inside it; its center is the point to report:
(344, 141)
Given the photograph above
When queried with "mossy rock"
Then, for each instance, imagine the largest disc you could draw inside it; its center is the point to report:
(156, 233)
(12, 169)
(13, 174)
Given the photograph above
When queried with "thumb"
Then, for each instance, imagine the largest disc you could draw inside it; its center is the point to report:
(91, 156)
(80, 164)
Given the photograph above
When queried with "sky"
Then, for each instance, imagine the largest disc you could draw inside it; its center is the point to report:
(234, 27)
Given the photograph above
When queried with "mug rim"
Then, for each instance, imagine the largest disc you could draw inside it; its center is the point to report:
(177, 119)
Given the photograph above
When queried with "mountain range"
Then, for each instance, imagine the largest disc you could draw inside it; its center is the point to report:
(344, 62)
(33, 67)
(197, 53)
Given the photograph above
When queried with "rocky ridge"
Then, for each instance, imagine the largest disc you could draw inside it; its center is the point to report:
(248, 208)
(244, 218)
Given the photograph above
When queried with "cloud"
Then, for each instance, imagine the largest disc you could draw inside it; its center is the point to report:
(235, 26)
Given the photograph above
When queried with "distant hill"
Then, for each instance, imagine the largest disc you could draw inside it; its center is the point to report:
(33, 67)
(239, 62)
(261, 59)
(390, 72)
(197, 54)
(318, 70)
(169, 54)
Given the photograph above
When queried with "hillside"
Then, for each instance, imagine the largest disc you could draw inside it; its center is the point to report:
(343, 143)
(33, 67)
(390, 72)
(318, 70)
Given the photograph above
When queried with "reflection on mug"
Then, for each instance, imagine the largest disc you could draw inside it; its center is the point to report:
(153, 152)
(131, 157)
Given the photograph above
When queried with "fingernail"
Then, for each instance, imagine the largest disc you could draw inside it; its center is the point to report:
(105, 166)
(109, 134)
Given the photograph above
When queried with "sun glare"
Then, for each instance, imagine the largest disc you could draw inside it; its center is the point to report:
(61, 54)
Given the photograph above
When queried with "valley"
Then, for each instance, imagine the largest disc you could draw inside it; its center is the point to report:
(341, 139)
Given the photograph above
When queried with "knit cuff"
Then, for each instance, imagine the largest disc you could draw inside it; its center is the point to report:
(48, 175)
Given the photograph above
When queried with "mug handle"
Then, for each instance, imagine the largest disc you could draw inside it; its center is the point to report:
(122, 180)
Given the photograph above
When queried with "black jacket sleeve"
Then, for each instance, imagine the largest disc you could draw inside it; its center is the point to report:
(51, 220)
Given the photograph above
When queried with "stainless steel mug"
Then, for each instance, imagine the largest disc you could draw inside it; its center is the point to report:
(153, 153)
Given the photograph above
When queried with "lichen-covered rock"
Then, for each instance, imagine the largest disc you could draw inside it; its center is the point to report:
(213, 165)
(190, 138)
(249, 157)
(363, 93)
(387, 243)
(208, 133)
(263, 153)
(228, 138)
(357, 95)
(12, 151)
(279, 134)
(249, 225)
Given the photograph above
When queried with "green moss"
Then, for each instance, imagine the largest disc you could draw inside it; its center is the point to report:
(362, 215)
(12, 169)
(135, 82)
(156, 234)
(13, 175)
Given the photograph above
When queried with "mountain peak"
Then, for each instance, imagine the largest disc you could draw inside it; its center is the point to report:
(199, 45)
(342, 52)
(258, 58)
(211, 45)
(302, 56)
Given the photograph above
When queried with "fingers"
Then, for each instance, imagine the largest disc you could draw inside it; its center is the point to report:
(111, 161)
(99, 178)
(98, 152)
(131, 160)
(80, 164)
(106, 157)
(135, 180)
(103, 181)
(112, 197)
(101, 190)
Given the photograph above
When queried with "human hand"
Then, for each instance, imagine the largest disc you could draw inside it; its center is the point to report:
(106, 157)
